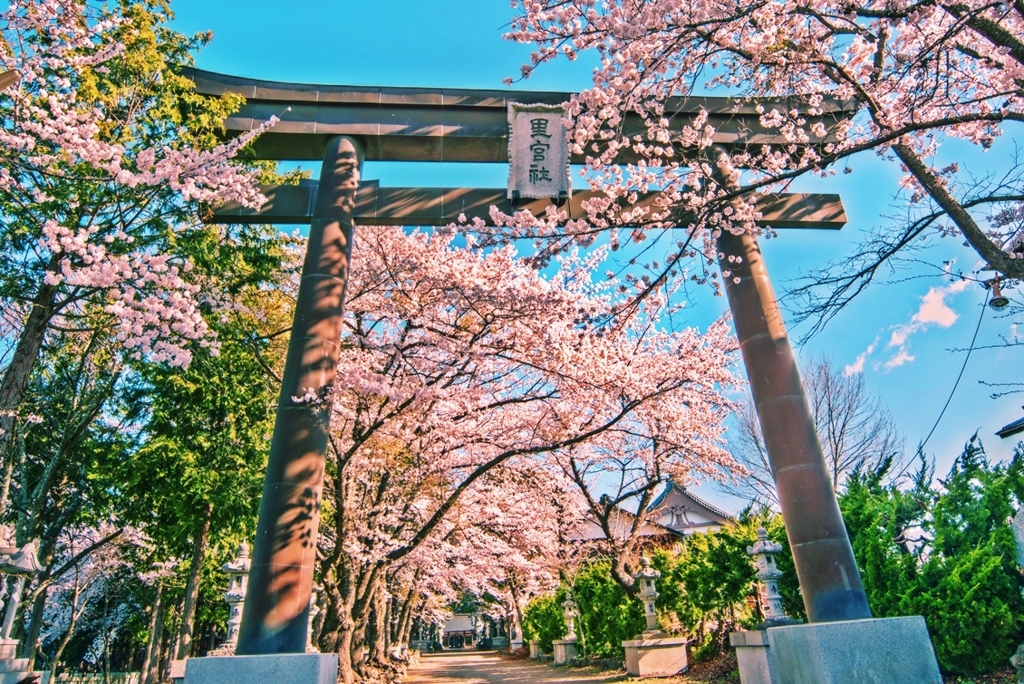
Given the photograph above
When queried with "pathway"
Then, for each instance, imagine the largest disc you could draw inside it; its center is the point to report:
(469, 667)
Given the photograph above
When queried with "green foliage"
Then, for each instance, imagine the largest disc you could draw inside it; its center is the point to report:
(544, 620)
(707, 584)
(948, 555)
(608, 616)
(715, 575)
(702, 593)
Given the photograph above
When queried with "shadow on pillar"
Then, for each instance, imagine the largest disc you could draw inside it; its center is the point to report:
(284, 554)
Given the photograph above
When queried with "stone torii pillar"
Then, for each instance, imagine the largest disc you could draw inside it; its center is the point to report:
(829, 579)
(276, 617)
(842, 644)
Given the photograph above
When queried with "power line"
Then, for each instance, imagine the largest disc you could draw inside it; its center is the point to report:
(958, 377)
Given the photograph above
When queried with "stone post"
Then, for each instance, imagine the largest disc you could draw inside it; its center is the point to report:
(314, 610)
(1017, 527)
(21, 563)
(276, 618)
(653, 653)
(567, 649)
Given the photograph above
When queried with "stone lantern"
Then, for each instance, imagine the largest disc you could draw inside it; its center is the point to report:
(763, 552)
(238, 580)
(648, 593)
(653, 653)
(570, 619)
(21, 564)
(567, 649)
(314, 610)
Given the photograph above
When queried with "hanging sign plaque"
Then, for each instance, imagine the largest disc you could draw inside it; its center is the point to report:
(538, 152)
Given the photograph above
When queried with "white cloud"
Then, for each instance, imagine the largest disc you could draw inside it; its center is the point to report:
(933, 310)
(858, 365)
(901, 358)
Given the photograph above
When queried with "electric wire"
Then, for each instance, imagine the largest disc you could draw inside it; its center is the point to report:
(984, 305)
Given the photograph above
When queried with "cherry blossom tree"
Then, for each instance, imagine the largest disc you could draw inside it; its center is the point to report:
(900, 78)
(89, 559)
(108, 156)
(460, 363)
(506, 541)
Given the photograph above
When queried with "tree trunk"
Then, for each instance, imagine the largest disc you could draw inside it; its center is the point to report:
(16, 378)
(106, 639)
(188, 615)
(336, 629)
(346, 666)
(151, 663)
(31, 643)
(364, 596)
(376, 629)
(76, 612)
(166, 645)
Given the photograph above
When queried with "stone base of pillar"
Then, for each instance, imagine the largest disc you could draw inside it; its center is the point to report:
(651, 656)
(872, 651)
(516, 644)
(535, 650)
(14, 670)
(176, 669)
(565, 651)
(756, 664)
(284, 668)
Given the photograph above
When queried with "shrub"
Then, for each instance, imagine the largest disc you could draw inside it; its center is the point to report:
(544, 620)
(948, 555)
(608, 616)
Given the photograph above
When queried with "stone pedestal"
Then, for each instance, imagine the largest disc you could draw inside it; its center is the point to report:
(535, 650)
(16, 677)
(14, 670)
(753, 657)
(284, 668)
(565, 650)
(516, 644)
(176, 671)
(872, 651)
(650, 655)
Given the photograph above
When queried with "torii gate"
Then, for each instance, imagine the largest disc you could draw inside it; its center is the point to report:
(342, 126)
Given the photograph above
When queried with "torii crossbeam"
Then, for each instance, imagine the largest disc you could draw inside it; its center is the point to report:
(343, 126)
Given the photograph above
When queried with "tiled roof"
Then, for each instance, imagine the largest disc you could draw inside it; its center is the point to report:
(672, 486)
(1012, 429)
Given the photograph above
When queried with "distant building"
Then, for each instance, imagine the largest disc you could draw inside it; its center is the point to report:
(676, 513)
(683, 512)
(459, 631)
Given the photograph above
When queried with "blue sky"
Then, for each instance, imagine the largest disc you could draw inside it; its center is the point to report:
(905, 328)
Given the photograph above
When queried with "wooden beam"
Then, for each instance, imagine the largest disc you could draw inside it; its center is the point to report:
(375, 205)
(451, 124)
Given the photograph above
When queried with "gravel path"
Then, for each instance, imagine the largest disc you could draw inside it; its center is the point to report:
(489, 668)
